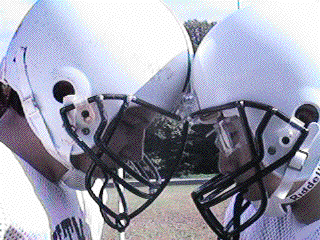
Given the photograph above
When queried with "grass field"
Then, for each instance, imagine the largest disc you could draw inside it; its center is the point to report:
(172, 216)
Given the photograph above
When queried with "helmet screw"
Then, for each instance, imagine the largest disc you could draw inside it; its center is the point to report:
(272, 150)
(85, 113)
(85, 131)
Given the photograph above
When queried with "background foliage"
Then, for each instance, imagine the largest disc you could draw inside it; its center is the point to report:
(201, 154)
(197, 31)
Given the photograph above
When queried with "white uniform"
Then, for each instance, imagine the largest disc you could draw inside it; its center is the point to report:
(276, 228)
(21, 213)
(24, 216)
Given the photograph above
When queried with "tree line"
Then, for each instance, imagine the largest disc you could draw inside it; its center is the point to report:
(200, 156)
(197, 31)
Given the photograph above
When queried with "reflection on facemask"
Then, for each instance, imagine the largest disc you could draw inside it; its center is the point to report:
(230, 135)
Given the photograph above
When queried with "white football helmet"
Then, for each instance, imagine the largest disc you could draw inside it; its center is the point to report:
(77, 67)
(259, 68)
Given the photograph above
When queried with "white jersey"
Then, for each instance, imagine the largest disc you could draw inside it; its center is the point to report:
(21, 214)
(41, 210)
(279, 228)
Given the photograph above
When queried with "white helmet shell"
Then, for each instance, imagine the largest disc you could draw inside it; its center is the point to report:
(116, 47)
(247, 63)
(266, 53)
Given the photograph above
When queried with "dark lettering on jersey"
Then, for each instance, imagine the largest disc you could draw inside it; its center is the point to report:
(69, 229)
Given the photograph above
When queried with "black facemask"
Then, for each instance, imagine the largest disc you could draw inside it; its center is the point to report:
(224, 186)
(163, 141)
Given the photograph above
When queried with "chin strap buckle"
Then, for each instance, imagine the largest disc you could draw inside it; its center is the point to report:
(298, 160)
(83, 115)
(186, 105)
(295, 167)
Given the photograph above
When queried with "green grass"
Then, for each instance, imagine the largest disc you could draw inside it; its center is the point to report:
(171, 216)
(197, 176)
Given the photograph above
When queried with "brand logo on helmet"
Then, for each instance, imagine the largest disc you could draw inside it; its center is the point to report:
(308, 186)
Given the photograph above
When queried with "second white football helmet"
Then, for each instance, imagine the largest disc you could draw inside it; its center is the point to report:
(259, 68)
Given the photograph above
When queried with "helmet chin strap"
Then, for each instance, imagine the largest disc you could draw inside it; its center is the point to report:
(75, 179)
(280, 196)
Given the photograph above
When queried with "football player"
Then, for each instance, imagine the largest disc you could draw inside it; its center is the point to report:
(257, 79)
(85, 86)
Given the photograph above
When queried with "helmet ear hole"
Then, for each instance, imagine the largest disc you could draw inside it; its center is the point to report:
(307, 113)
(62, 89)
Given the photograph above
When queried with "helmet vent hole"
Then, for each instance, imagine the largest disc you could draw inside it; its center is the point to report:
(285, 140)
(307, 113)
(62, 89)
(85, 114)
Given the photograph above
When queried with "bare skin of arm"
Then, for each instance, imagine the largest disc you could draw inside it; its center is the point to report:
(17, 135)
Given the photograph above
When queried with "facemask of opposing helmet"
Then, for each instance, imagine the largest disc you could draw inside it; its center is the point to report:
(147, 168)
(262, 156)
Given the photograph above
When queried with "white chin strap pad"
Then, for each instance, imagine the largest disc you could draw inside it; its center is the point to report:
(293, 172)
(273, 209)
(74, 179)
